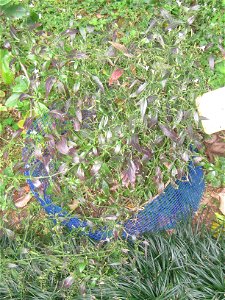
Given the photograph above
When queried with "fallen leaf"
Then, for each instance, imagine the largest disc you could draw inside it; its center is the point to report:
(95, 168)
(218, 148)
(99, 83)
(111, 52)
(76, 87)
(74, 204)
(143, 106)
(215, 146)
(139, 90)
(135, 142)
(80, 173)
(22, 201)
(121, 48)
(159, 39)
(211, 62)
(159, 180)
(67, 282)
(132, 207)
(26, 188)
(115, 76)
(76, 125)
(152, 121)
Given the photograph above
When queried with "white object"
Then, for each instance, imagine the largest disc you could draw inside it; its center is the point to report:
(211, 107)
(222, 201)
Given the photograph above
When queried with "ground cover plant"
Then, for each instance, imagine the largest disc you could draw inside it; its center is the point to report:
(125, 80)
(187, 264)
(121, 76)
(42, 262)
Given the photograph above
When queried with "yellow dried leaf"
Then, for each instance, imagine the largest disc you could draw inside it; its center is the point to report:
(21, 123)
(74, 204)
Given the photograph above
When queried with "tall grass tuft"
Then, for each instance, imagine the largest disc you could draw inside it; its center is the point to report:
(187, 264)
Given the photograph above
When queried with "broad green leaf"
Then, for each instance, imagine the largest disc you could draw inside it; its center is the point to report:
(5, 71)
(4, 2)
(81, 266)
(40, 109)
(13, 100)
(33, 18)
(21, 85)
(16, 11)
(220, 67)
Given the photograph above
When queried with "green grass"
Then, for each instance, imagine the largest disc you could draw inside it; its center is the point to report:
(36, 261)
(188, 264)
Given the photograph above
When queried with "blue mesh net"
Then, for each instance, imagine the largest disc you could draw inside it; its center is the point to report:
(162, 213)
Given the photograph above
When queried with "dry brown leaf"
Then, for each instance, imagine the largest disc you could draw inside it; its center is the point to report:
(215, 146)
(74, 204)
(121, 48)
(132, 207)
(27, 188)
(22, 201)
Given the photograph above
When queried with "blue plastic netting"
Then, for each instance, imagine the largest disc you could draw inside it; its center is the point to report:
(170, 207)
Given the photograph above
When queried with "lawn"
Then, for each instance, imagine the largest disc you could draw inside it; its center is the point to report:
(117, 82)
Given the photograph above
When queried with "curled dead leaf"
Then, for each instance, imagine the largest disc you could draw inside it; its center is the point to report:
(74, 204)
(22, 201)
